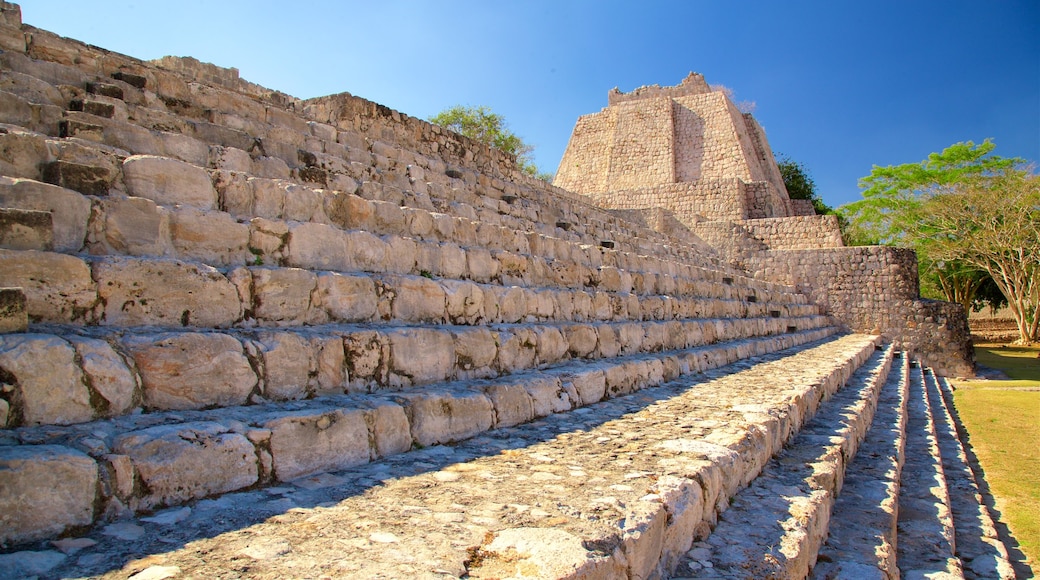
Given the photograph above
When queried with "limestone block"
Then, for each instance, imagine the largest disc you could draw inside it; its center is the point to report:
(23, 229)
(475, 350)
(271, 167)
(283, 295)
(547, 396)
(48, 384)
(590, 385)
(191, 370)
(446, 416)
(401, 255)
(169, 181)
(465, 302)
(349, 211)
(421, 355)
(643, 534)
(482, 267)
(70, 210)
(307, 442)
(543, 553)
(683, 500)
(418, 299)
(552, 345)
(631, 336)
(108, 374)
(46, 490)
(512, 403)
(388, 428)
(581, 339)
(269, 197)
(517, 349)
(512, 303)
(29, 87)
(13, 314)
(165, 292)
(288, 360)
(331, 367)
(229, 159)
(368, 251)
(211, 237)
(347, 298)
(367, 357)
(178, 463)
(57, 287)
(15, 110)
(21, 153)
(135, 226)
(235, 192)
(320, 247)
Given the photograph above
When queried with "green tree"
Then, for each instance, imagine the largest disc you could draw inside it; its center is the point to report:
(892, 193)
(800, 184)
(993, 225)
(484, 125)
(889, 213)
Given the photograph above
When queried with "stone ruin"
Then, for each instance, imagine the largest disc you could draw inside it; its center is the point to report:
(689, 162)
(249, 334)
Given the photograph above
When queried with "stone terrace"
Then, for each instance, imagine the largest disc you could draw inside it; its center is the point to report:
(290, 338)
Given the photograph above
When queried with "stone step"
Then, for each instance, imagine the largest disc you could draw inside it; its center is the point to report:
(181, 114)
(978, 546)
(69, 375)
(775, 527)
(617, 489)
(405, 241)
(129, 291)
(861, 540)
(132, 135)
(176, 216)
(145, 461)
(926, 542)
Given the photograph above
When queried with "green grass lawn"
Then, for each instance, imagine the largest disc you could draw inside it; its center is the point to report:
(1003, 421)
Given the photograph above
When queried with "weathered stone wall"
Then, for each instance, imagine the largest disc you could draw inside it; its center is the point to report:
(717, 199)
(657, 137)
(764, 200)
(586, 162)
(875, 289)
(693, 84)
(802, 207)
(643, 149)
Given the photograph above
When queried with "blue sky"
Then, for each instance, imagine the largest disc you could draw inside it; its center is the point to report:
(839, 86)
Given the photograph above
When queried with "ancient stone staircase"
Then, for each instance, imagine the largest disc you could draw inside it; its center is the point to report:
(288, 338)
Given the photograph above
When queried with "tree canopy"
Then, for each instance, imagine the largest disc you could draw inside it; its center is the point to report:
(891, 193)
(484, 125)
(993, 225)
(800, 184)
(970, 215)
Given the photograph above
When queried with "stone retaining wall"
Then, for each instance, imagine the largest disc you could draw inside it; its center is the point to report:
(875, 289)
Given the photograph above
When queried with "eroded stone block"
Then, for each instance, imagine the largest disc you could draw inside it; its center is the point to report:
(46, 490)
(22, 229)
(165, 292)
(47, 383)
(443, 417)
(14, 316)
(421, 355)
(168, 181)
(70, 210)
(108, 375)
(191, 370)
(177, 463)
(304, 443)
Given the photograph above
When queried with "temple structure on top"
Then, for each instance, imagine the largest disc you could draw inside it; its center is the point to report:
(686, 149)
